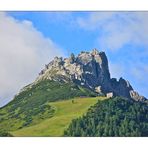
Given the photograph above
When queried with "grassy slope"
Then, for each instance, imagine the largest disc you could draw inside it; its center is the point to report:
(31, 106)
(65, 112)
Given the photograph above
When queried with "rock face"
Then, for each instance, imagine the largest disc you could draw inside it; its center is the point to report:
(91, 70)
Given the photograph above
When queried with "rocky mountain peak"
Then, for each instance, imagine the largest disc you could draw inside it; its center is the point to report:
(91, 70)
(95, 52)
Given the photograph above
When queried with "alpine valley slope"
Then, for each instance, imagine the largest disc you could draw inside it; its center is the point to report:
(31, 106)
(34, 108)
(65, 112)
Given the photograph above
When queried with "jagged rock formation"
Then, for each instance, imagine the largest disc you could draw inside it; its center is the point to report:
(91, 70)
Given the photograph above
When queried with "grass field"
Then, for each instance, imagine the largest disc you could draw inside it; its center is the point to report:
(65, 112)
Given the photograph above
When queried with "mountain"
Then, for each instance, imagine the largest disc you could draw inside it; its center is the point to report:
(90, 70)
(84, 76)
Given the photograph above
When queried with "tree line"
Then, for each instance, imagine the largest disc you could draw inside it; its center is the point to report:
(115, 117)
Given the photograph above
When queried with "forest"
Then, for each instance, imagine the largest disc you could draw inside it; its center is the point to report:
(115, 117)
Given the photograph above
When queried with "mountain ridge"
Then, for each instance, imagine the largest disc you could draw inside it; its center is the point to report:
(91, 70)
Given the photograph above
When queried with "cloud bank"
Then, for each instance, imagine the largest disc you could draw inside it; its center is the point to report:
(117, 28)
(23, 52)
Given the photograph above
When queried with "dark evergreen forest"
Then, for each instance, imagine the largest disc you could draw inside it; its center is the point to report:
(119, 117)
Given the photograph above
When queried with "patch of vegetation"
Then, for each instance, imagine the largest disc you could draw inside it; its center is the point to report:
(113, 117)
(4, 133)
(31, 106)
(65, 111)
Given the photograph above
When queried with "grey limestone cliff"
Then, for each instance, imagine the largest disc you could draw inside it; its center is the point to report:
(91, 70)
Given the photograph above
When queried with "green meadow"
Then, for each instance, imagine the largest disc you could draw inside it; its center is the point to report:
(65, 112)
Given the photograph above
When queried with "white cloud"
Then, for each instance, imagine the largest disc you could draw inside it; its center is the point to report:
(117, 29)
(23, 52)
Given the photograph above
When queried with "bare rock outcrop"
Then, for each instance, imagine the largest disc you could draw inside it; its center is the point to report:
(91, 70)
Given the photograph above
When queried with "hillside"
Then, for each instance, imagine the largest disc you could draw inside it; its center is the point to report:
(31, 106)
(65, 111)
(115, 117)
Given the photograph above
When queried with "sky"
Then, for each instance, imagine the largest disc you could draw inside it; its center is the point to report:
(29, 40)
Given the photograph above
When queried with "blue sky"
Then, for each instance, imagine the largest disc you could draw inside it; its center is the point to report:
(61, 28)
(122, 35)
